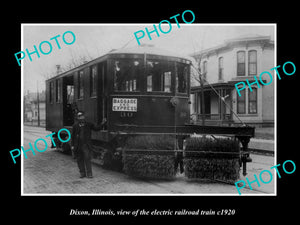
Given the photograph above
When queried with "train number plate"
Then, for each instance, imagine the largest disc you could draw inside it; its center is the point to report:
(124, 104)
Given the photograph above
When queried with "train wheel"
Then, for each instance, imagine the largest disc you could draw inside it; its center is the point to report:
(117, 162)
(107, 159)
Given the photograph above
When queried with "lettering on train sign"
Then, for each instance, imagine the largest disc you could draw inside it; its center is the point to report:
(124, 104)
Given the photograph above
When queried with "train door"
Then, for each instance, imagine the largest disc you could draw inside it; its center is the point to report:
(102, 92)
(68, 100)
(181, 101)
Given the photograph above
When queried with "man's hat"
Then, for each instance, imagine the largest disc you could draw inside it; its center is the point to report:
(80, 114)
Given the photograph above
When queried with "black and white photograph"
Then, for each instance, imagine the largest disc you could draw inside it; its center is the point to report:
(159, 115)
(132, 115)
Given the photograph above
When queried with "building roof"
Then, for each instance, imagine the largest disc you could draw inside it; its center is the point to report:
(248, 37)
(223, 85)
(245, 39)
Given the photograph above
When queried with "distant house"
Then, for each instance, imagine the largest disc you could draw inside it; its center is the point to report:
(31, 109)
(225, 65)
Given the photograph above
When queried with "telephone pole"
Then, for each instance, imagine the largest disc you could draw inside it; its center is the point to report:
(38, 103)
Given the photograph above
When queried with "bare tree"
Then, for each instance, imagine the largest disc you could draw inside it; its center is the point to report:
(198, 76)
(75, 61)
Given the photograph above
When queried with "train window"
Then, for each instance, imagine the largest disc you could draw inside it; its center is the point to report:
(93, 82)
(80, 84)
(167, 82)
(181, 78)
(126, 74)
(58, 91)
(149, 83)
(159, 76)
(51, 92)
(70, 94)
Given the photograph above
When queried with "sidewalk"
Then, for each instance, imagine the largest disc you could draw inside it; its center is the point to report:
(264, 145)
(263, 141)
(35, 123)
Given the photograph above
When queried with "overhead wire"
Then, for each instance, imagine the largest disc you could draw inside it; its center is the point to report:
(222, 98)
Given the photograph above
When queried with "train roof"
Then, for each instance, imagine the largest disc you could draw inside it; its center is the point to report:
(139, 50)
(149, 50)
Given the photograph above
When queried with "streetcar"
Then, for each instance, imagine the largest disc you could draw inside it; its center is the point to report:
(142, 90)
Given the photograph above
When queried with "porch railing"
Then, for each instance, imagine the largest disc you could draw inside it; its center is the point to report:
(216, 116)
(213, 119)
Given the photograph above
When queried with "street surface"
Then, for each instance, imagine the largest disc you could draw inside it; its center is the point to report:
(52, 172)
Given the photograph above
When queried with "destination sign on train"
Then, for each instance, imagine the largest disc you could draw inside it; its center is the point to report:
(124, 104)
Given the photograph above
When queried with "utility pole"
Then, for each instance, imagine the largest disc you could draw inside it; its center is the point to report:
(38, 103)
(202, 100)
(201, 80)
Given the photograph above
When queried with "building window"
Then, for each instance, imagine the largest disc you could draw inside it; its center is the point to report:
(204, 69)
(241, 63)
(252, 99)
(221, 68)
(58, 91)
(252, 62)
(51, 92)
(241, 102)
(80, 84)
(93, 82)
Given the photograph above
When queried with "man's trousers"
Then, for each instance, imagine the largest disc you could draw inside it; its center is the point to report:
(84, 161)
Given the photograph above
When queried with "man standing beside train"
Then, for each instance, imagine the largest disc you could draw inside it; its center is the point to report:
(81, 143)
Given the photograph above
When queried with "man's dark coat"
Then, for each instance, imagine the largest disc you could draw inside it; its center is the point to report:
(77, 139)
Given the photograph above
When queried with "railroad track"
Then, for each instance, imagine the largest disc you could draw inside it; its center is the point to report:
(30, 135)
(252, 150)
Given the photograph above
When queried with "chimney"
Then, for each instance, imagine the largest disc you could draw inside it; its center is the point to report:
(58, 69)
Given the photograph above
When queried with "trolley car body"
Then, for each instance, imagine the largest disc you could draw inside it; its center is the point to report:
(142, 90)
(132, 87)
